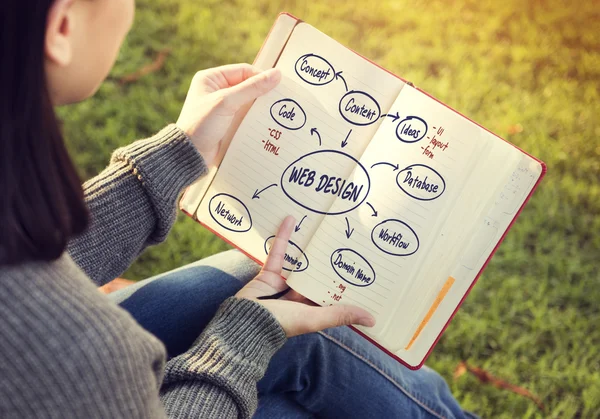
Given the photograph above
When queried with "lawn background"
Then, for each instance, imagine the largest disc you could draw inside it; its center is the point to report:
(527, 70)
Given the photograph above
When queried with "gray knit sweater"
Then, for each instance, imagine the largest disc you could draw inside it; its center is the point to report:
(67, 351)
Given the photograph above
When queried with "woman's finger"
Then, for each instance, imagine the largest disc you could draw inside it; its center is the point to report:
(227, 75)
(321, 318)
(274, 261)
(250, 89)
(238, 73)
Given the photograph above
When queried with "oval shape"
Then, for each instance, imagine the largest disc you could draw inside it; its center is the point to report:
(314, 70)
(359, 108)
(395, 238)
(285, 110)
(411, 129)
(297, 262)
(230, 213)
(416, 182)
(352, 267)
(306, 184)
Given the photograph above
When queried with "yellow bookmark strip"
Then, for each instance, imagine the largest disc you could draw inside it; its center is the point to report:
(432, 309)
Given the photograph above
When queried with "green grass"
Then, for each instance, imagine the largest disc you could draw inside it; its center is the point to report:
(534, 316)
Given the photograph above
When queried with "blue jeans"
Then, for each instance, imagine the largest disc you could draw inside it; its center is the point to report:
(334, 373)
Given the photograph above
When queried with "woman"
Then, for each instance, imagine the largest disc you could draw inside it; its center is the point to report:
(68, 351)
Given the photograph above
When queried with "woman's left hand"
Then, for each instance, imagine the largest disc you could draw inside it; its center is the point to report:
(296, 314)
(215, 96)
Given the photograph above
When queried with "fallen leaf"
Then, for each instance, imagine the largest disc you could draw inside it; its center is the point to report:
(154, 66)
(460, 370)
(487, 378)
(115, 285)
(515, 129)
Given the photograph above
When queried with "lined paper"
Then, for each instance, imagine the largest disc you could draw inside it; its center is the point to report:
(489, 232)
(404, 213)
(295, 121)
(388, 187)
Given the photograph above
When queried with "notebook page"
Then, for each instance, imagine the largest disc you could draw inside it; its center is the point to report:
(517, 186)
(418, 162)
(354, 92)
(476, 199)
(297, 146)
(266, 58)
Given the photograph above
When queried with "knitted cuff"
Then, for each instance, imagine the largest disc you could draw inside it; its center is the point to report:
(249, 328)
(164, 165)
(234, 350)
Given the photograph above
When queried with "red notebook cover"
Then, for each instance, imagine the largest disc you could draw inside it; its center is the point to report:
(517, 213)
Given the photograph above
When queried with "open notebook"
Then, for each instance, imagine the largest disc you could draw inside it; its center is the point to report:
(400, 200)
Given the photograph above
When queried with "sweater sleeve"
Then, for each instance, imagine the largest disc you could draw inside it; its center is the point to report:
(132, 202)
(68, 351)
(217, 377)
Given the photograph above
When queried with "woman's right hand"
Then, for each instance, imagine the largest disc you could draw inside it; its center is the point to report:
(214, 97)
(296, 314)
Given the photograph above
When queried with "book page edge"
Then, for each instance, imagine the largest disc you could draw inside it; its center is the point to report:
(266, 58)
(419, 364)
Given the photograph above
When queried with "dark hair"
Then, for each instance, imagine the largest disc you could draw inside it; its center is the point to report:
(41, 198)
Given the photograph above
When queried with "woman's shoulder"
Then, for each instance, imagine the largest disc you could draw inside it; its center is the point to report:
(53, 299)
(62, 336)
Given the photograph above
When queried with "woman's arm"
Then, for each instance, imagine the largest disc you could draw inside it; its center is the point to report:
(68, 351)
(132, 202)
(217, 377)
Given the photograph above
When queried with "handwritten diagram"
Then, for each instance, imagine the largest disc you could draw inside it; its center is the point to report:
(293, 261)
(421, 182)
(395, 238)
(349, 265)
(411, 129)
(359, 108)
(309, 185)
(312, 185)
(288, 114)
(230, 213)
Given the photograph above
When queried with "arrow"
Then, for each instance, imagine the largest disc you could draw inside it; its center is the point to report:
(374, 212)
(345, 142)
(297, 228)
(314, 131)
(396, 116)
(257, 192)
(338, 75)
(395, 166)
(348, 231)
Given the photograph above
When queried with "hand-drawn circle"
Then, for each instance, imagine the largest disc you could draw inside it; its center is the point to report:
(334, 154)
(314, 59)
(419, 137)
(293, 127)
(294, 245)
(425, 168)
(211, 210)
(404, 226)
(365, 96)
(366, 265)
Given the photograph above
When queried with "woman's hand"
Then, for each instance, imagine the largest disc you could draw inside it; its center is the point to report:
(296, 314)
(215, 96)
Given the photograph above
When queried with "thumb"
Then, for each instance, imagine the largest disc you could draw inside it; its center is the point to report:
(250, 89)
(339, 315)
